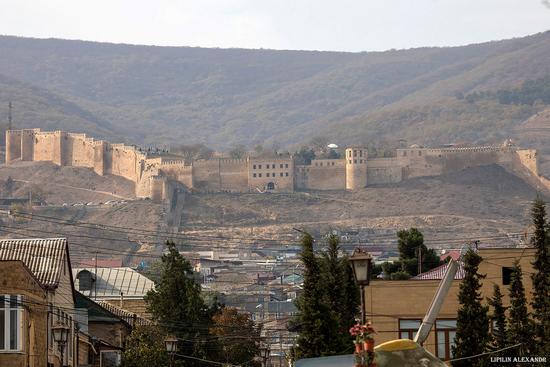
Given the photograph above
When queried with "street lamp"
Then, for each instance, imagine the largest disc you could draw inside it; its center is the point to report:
(61, 335)
(171, 343)
(360, 262)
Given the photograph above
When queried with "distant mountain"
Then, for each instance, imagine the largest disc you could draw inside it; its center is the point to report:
(222, 97)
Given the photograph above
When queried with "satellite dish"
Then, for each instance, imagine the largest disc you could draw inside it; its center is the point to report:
(332, 146)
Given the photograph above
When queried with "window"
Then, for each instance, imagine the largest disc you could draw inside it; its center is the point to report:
(267, 174)
(281, 174)
(408, 328)
(286, 165)
(11, 323)
(259, 175)
(273, 165)
(360, 161)
(259, 166)
(506, 275)
(360, 153)
(355, 161)
(286, 174)
(273, 174)
(254, 166)
(355, 153)
(333, 163)
(445, 332)
(404, 154)
(419, 153)
(281, 165)
(349, 161)
(85, 280)
(109, 358)
(253, 175)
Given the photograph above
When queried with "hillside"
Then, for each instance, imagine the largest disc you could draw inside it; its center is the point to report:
(221, 97)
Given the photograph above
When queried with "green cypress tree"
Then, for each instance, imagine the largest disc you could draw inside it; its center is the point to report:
(311, 321)
(498, 319)
(176, 304)
(333, 287)
(541, 277)
(352, 296)
(472, 332)
(520, 328)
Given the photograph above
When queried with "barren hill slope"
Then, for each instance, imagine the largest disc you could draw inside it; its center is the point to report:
(166, 95)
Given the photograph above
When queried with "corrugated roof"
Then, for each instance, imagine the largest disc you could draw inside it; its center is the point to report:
(437, 273)
(43, 256)
(111, 282)
(129, 317)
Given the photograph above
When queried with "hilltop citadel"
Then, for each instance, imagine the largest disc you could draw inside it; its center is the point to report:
(157, 176)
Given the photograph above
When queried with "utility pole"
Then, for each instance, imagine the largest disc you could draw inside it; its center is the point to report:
(419, 260)
(9, 116)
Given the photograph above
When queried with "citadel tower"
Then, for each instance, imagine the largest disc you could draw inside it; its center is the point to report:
(356, 168)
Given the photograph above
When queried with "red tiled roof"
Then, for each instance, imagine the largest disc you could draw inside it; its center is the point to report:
(454, 254)
(439, 272)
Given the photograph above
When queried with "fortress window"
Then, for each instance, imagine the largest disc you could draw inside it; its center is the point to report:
(259, 175)
(360, 153)
(273, 175)
(253, 175)
(286, 174)
(273, 165)
(349, 161)
(360, 161)
(404, 154)
(281, 165)
(281, 174)
(286, 165)
(254, 167)
(355, 161)
(259, 166)
(333, 163)
(321, 164)
(355, 153)
(267, 174)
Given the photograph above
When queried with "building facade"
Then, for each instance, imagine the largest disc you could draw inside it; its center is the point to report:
(397, 307)
(157, 177)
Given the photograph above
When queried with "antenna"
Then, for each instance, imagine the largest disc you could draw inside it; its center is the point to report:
(9, 115)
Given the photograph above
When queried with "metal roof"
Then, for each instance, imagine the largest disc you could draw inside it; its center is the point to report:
(111, 282)
(439, 272)
(130, 317)
(44, 257)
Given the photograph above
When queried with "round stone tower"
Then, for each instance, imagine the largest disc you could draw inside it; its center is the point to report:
(356, 168)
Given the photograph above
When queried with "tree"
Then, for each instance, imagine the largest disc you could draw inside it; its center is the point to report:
(541, 277)
(238, 338)
(472, 329)
(333, 283)
(177, 306)
(305, 155)
(238, 152)
(311, 322)
(411, 245)
(319, 143)
(520, 329)
(498, 320)
(194, 151)
(145, 347)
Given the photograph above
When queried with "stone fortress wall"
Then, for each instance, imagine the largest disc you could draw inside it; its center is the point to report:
(157, 176)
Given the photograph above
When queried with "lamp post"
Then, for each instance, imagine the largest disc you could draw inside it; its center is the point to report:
(171, 343)
(360, 262)
(61, 335)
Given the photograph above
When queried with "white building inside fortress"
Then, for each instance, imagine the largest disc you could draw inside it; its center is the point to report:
(156, 176)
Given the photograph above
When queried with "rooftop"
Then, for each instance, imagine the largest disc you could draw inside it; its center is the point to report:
(109, 283)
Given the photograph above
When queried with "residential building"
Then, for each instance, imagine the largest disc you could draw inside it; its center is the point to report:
(397, 307)
(122, 287)
(36, 294)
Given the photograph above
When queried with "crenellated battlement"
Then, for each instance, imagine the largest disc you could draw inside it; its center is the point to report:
(354, 171)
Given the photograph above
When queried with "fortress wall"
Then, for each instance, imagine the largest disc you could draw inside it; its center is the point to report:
(271, 172)
(27, 145)
(383, 171)
(432, 162)
(329, 174)
(100, 149)
(47, 147)
(124, 161)
(79, 151)
(157, 192)
(13, 145)
(177, 172)
(206, 175)
(234, 175)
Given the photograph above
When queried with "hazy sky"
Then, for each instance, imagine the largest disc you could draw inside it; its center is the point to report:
(348, 25)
